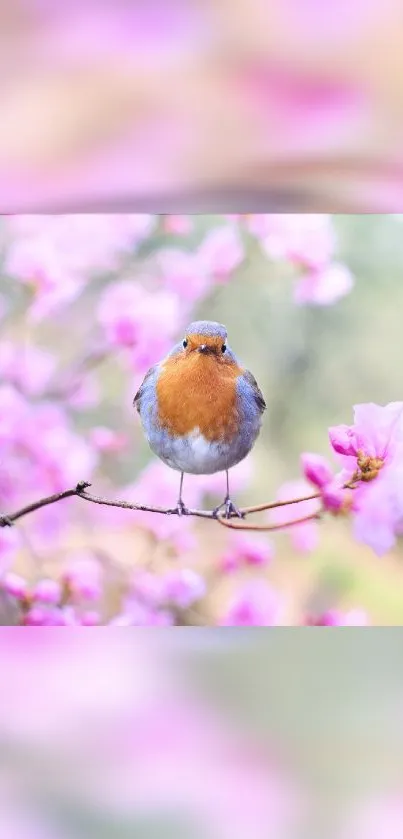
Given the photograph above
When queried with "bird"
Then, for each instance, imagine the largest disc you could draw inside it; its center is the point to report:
(200, 410)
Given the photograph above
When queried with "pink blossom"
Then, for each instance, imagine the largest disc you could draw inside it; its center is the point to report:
(84, 243)
(324, 286)
(147, 587)
(308, 242)
(142, 321)
(316, 469)
(152, 594)
(221, 252)
(83, 577)
(138, 614)
(47, 592)
(90, 619)
(336, 499)
(45, 616)
(307, 239)
(377, 431)
(255, 604)
(334, 617)
(343, 440)
(29, 368)
(37, 263)
(304, 536)
(183, 587)
(14, 585)
(107, 441)
(373, 445)
(179, 225)
(246, 549)
(61, 453)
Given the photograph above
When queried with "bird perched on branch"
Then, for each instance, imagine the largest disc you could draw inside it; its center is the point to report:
(200, 410)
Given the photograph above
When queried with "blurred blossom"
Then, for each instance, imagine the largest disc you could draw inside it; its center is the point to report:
(177, 588)
(323, 287)
(334, 617)
(47, 591)
(221, 252)
(179, 225)
(14, 585)
(307, 240)
(83, 577)
(141, 321)
(183, 588)
(256, 603)
(29, 368)
(245, 549)
(108, 441)
(309, 243)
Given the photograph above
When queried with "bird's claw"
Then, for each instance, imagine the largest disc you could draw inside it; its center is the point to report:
(230, 510)
(181, 508)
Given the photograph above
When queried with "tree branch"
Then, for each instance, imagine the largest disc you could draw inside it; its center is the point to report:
(80, 491)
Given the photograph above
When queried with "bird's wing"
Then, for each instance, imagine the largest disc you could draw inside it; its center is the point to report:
(140, 392)
(257, 393)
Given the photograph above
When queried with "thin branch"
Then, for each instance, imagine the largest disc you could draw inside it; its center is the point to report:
(270, 527)
(80, 491)
(10, 518)
(259, 508)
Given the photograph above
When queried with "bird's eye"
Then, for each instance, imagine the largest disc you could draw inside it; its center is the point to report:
(223, 348)
(184, 344)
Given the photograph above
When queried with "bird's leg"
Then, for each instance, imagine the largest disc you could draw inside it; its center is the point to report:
(181, 508)
(230, 508)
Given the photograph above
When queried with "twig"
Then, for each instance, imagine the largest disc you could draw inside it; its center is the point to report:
(80, 491)
(269, 527)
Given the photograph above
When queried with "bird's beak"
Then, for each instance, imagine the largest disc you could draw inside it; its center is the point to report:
(204, 349)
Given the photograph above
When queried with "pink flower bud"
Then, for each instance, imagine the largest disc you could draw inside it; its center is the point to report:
(334, 498)
(343, 439)
(15, 586)
(47, 591)
(316, 469)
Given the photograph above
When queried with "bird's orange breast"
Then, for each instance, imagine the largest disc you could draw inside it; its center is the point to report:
(199, 392)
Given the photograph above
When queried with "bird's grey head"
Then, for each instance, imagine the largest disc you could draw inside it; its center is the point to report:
(207, 329)
(206, 336)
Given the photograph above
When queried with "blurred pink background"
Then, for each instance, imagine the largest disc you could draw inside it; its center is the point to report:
(207, 104)
(205, 735)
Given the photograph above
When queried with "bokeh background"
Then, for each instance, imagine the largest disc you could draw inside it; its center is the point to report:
(204, 734)
(313, 363)
(201, 105)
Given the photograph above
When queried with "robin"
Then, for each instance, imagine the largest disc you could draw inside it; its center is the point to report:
(200, 410)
